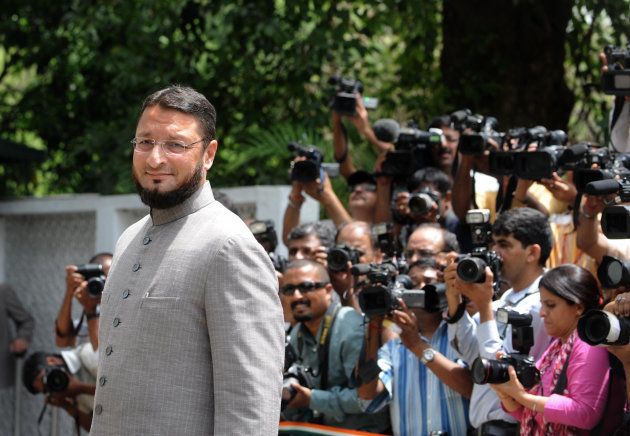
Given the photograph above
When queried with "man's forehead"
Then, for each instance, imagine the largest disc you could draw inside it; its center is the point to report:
(296, 275)
(426, 237)
(310, 239)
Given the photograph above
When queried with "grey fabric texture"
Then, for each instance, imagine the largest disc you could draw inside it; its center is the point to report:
(191, 337)
(11, 309)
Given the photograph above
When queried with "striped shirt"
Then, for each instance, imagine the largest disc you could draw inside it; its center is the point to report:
(419, 402)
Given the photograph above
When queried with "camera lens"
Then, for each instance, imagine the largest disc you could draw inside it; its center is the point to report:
(95, 286)
(56, 380)
(489, 371)
(472, 270)
(420, 203)
(338, 259)
(597, 327)
(375, 300)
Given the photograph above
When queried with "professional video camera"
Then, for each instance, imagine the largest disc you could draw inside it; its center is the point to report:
(496, 371)
(615, 221)
(309, 169)
(265, 234)
(345, 98)
(598, 327)
(412, 146)
(483, 136)
(609, 165)
(340, 255)
(542, 163)
(616, 81)
(471, 267)
(613, 272)
(93, 273)
(386, 239)
(294, 372)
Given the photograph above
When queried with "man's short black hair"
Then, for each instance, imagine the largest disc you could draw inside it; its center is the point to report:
(434, 176)
(101, 257)
(188, 101)
(325, 231)
(33, 365)
(440, 122)
(322, 272)
(528, 226)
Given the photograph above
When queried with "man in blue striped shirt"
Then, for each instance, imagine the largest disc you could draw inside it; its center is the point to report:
(421, 378)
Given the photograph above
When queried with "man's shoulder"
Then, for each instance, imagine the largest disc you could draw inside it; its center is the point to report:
(223, 222)
(350, 322)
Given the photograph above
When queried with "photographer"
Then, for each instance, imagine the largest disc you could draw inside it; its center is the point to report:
(311, 241)
(420, 363)
(66, 382)
(66, 330)
(327, 340)
(571, 394)
(522, 238)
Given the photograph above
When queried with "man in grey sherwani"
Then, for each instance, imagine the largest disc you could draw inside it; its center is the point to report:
(191, 337)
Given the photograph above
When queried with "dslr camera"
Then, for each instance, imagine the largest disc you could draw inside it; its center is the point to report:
(344, 101)
(294, 373)
(309, 169)
(471, 267)
(598, 327)
(616, 81)
(496, 371)
(54, 379)
(265, 234)
(93, 273)
(340, 255)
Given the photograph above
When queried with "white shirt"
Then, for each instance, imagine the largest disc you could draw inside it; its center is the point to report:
(472, 339)
(620, 132)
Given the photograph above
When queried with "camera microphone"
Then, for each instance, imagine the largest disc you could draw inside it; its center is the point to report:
(602, 187)
(387, 130)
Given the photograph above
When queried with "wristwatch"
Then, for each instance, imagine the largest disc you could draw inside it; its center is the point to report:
(427, 355)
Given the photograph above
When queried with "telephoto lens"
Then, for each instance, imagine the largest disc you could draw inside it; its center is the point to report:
(472, 269)
(489, 371)
(598, 327)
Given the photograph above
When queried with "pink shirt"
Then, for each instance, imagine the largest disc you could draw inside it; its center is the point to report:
(587, 386)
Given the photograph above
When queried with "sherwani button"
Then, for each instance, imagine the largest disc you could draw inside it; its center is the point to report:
(135, 267)
(116, 322)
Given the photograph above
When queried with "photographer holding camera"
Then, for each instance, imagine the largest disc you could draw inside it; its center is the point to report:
(311, 241)
(327, 342)
(522, 239)
(571, 394)
(87, 290)
(421, 363)
(66, 382)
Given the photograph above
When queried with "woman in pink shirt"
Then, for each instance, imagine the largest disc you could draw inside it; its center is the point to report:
(566, 292)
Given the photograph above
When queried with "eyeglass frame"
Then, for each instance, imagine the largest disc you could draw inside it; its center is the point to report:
(161, 143)
(304, 287)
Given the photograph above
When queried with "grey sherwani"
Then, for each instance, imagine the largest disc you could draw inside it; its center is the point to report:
(191, 337)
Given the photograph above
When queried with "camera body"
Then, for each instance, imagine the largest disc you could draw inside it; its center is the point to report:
(310, 169)
(484, 129)
(616, 81)
(347, 89)
(295, 373)
(265, 234)
(598, 327)
(385, 239)
(542, 163)
(412, 149)
(615, 220)
(340, 255)
(93, 273)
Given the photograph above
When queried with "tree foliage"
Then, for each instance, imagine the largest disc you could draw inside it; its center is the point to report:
(73, 75)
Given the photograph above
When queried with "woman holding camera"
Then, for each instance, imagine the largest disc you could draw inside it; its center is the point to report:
(571, 394)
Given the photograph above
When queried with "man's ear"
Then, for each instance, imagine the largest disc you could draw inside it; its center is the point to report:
(533, 253)
(209, 153)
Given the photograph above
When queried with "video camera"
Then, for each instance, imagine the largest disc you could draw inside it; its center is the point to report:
(93, 273)
(310, 169)
(471, 267)
(616, 81)
(613, 272)
(386, 240)
(483, 135)
(380, 296)
(615, 221)
(340, 255)
(265, 234)
(412, 146)
(598, 327)
(344, 101)
(496, 371)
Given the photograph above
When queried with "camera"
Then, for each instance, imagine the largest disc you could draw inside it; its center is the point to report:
(615, 220)
(542, 163)
(412, 146)
(340, 255)
(422, 202)
(379, 295)
(310, 169)
(496, 371)
(484, 130)
(93, 273)
(598, 327)
(265, 234)
(385, 239)
(344, 101)
(613, 272)
(55, 377)
(294, 373)
(431, 298)
(616, 81)
(471, 267)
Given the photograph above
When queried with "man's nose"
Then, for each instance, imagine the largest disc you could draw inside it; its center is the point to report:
(299, 255)
(156, 156)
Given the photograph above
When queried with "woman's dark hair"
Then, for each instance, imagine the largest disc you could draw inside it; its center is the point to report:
(574, 284)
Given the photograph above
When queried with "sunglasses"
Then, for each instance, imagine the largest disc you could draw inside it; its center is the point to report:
(306, 286)
(367, 187)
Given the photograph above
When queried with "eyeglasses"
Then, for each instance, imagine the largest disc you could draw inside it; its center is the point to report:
(423, 253)
(306, 286)
(145, 145)
(368, 187)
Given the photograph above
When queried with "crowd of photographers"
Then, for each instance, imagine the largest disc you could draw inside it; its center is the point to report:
(474, 284)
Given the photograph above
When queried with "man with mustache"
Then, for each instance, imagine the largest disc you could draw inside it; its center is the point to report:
(328, 339)
(191, 334)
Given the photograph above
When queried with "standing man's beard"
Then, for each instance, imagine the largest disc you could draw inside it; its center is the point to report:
(166, 200)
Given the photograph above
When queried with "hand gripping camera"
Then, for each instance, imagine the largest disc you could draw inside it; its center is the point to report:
(471, 267)
(344, 101)
(93, 273)
(294, 373)
(496, 371)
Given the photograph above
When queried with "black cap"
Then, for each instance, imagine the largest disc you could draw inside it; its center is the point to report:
(361, 176)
